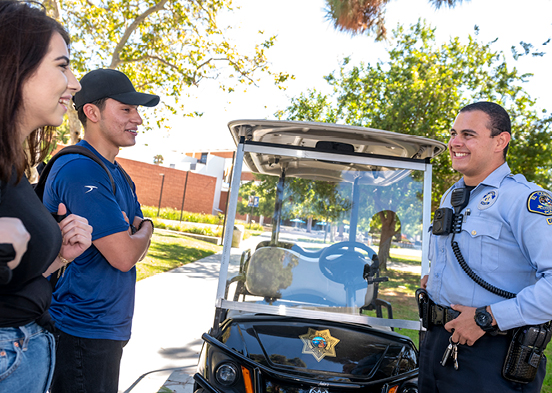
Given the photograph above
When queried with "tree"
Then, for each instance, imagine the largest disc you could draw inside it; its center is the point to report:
(419, 91)
(266, 196)
(164, 46)
(360, 16)
(158, 159)
(303, 198)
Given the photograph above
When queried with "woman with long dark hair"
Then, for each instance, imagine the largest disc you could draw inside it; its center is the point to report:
(36, 85)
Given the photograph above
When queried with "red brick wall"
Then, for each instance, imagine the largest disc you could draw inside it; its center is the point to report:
(200, 189)
(247, 176)
(223, 154)
(223, 201)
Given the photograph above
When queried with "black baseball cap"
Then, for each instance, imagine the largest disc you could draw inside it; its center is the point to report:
(108, 83)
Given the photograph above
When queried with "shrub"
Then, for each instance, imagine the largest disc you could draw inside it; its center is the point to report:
(173, 214)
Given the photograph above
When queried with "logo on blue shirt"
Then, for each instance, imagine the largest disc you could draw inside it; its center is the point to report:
(540, 202)
(488, 200)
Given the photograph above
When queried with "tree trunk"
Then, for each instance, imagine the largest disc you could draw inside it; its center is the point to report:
(74, 125)
(326, 227)
(309, 225)
(388, 224)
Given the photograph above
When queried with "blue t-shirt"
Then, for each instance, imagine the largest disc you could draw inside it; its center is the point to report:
(93, 299)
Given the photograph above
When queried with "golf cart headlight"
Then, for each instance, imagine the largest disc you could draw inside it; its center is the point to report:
(226, 374)
(410, 388)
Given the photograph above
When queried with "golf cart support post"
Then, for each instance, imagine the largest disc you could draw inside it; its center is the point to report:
(245, 146)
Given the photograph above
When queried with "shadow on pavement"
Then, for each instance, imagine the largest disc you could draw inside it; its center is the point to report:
(190, 351)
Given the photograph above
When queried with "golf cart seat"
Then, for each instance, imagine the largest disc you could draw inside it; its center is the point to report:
(293, 247)
(281, 274)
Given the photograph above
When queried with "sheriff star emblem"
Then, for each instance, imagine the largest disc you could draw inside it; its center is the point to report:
(319, 343)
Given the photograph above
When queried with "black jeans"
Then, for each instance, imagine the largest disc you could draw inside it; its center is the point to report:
(479, 366)
(85, 365)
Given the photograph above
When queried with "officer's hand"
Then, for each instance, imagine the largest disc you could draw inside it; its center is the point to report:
(423, 282)
(464, 329)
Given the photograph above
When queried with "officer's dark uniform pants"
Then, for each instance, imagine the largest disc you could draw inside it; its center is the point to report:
(479, 366)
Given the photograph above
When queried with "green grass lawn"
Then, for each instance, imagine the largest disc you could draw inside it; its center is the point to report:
(169, 251)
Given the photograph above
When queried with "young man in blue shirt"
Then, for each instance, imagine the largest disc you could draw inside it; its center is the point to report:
(93, 302)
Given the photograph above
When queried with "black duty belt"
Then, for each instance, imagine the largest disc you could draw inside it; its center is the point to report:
(439, 315)
(431, 313)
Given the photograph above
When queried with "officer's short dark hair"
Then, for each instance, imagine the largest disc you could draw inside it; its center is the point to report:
(499, 118)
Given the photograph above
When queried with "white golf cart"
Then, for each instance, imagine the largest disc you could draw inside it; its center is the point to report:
(301, 313)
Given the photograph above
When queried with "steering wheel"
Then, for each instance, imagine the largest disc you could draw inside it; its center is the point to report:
(347, 267)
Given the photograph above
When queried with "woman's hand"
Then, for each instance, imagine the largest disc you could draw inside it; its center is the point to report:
(77, 234)
(12, 231)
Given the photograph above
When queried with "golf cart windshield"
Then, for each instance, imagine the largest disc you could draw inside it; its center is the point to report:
(336, 214)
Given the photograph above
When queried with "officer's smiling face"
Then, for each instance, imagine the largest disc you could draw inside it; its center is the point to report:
(473, 152)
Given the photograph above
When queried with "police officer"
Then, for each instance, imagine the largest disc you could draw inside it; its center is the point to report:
(505, 239)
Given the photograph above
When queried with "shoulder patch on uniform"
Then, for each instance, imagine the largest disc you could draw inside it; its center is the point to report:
(540, 202)
(488, 200)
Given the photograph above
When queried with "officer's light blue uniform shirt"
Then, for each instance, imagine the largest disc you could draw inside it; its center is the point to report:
(93, 299)
(506, 239)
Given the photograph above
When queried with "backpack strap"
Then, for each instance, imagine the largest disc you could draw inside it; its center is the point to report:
(73, 149)
(39, 187)
(127, 178)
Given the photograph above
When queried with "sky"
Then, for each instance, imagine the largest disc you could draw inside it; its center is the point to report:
(308, 47)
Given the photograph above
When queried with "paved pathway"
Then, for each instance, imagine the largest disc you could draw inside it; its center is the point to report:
(172, 311)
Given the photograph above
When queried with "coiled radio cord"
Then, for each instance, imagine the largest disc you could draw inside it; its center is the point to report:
(457, 228)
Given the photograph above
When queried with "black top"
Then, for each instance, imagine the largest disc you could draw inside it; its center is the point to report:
(26, 298)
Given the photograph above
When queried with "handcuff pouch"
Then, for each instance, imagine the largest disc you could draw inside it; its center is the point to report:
(525, 352)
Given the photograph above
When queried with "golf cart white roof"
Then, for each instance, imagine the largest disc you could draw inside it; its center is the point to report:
(370, 141)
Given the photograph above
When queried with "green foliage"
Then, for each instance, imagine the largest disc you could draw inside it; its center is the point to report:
(420, 90)
(173, 214)
(376, 225)
(170, 219)
(303, 198)
(255, 227)
(185, 228)
(164, 46)
(261, 189)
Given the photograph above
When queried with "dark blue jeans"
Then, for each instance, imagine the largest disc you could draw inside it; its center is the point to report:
(85, 365)
(479, 366)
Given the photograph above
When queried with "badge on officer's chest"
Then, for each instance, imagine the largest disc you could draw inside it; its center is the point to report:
(540, 202)
(488, 200)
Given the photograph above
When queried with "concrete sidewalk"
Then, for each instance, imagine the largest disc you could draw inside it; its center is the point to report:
(171, 313)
